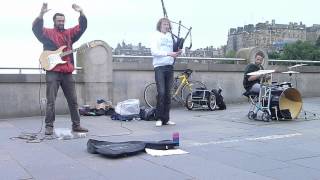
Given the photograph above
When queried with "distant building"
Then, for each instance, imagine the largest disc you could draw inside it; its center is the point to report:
(313, 32)
(129, 49)
(270, 36)
(139, 50)
(210, 52)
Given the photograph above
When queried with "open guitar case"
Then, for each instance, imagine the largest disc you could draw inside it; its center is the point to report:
(128, 148)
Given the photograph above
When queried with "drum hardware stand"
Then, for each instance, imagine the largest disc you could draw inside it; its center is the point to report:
(276, 112)
(263, 103)
(291, 79)
(313, 115)
(297, 66)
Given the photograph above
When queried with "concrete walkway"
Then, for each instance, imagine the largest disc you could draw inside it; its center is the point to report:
(221, 145)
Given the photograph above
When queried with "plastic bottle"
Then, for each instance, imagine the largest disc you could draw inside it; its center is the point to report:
(175, 138)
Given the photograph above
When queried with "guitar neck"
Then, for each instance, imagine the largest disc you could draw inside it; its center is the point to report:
(73, 50)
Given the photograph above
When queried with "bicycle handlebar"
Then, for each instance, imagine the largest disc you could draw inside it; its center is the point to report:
(188, 72)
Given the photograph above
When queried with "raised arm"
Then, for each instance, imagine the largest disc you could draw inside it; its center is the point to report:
(78, 9)
(37, 25)
(78, 30)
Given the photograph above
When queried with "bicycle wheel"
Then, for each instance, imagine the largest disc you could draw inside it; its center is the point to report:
(187, 89)
(189, 103)
(252, 115)
(174, 96)
(212, 102)
(150, 95)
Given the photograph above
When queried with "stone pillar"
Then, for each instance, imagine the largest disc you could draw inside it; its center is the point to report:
(250, 53)
(97, 71)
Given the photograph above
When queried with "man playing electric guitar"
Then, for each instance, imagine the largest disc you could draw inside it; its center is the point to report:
(61, 74)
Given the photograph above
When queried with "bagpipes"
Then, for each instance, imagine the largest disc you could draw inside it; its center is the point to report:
(178, 41)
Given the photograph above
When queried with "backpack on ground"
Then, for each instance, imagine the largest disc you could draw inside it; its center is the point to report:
(219, 99)
(148, 114)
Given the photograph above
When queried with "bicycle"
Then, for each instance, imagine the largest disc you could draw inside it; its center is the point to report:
(182, 86)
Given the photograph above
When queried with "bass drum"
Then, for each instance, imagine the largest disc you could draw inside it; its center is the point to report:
(286, 103)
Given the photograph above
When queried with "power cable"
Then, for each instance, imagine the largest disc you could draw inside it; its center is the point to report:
(36, 137)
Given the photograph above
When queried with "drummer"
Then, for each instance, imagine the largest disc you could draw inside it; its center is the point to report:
(252, 83)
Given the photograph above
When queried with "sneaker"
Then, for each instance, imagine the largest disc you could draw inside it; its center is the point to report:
(48, 131)
(79, 129)
(171, 123)
(159, 123)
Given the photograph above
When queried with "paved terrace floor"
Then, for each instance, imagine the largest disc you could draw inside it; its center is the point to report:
(221, 145)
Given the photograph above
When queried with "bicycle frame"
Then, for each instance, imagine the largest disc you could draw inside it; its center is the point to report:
(182, 86)
(183, 81)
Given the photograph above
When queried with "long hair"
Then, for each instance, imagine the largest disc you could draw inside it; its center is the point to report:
(160, 22)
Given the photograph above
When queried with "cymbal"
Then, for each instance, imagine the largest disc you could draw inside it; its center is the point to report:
(290, 72)
(297, 65)
(260, 72)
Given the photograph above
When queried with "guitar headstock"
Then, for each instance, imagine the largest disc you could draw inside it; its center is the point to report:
(93, 44)
(87, 45)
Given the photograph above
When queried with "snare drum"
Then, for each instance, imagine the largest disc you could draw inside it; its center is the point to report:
(285, 85)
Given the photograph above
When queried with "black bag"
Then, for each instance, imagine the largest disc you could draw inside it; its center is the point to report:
(148, 114)
(178, 45)
(161, 145)
(123, 149)
(109, 111)
(219, 99)
(99, 112)
(87, 111)
(116, 116)
(115, 149)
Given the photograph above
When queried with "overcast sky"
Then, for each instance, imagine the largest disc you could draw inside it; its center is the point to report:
(133, 21)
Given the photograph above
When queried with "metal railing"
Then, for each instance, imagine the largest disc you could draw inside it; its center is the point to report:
(20, 70)
(128, 58)
(293, 61)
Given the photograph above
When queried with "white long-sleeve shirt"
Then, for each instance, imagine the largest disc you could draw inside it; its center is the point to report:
(161, 45)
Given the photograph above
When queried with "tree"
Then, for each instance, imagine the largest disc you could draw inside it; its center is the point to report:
(231, 54)
(274, 55)
(301, 50)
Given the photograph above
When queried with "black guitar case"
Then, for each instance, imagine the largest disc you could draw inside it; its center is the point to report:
(129, 148)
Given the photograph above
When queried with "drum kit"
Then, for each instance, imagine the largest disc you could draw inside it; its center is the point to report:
(278, 101)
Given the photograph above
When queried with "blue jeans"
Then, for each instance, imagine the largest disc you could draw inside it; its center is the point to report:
(164, 81)
(255, 88)
(54, 80)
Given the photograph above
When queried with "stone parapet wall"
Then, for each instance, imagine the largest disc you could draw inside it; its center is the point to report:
(102, 78)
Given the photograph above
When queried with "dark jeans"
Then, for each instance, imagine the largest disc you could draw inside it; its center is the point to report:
(255, 88)
(164, 81)
(54, 80)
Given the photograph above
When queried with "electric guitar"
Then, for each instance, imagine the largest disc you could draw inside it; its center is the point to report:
(50, 59)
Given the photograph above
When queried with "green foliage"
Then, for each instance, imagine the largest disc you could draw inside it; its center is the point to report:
(231, 54)
(274, 55)
(301, 50)
(318, 42)
(298, 51)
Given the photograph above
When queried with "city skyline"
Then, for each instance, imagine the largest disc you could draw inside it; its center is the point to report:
(134, 21)
(270, 35)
